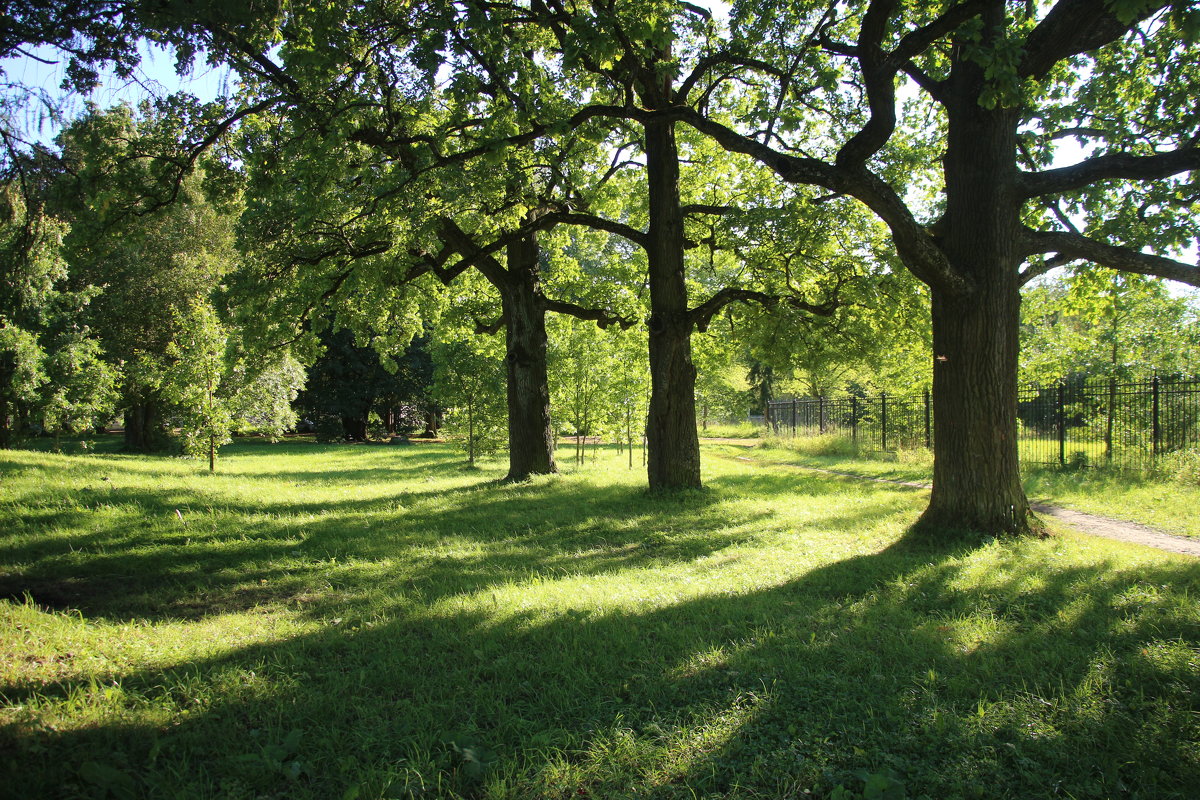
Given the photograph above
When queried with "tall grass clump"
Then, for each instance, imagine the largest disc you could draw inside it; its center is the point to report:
(822, 446)
(732, 430)
(1182, 466)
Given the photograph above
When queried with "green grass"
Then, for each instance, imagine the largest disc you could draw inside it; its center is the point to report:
(741, 430)
(371, 621)
(1155, 500)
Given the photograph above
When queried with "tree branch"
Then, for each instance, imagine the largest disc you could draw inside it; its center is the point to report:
(724, 58)
(1072, 27)
(1115, 166)
(472, 255)
(915, 246)
(702, 314)
(601, 317)
(878, 74)
(1073, 246)
(601, 224)
(706, 208)
(490, 328)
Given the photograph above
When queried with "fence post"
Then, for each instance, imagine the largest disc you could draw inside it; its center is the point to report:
(1154, 393)
(1062, 426)
(821, 412)
(854, 419)
(928, 437)
(883, 419)
(794, 410)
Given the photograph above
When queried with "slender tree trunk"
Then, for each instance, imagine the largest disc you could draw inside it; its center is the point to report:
(976, 474)
(629, 434)
(433, 422)
(6, 437)
(212, 437)
(530, 430)
(470, 433)
(672, 441)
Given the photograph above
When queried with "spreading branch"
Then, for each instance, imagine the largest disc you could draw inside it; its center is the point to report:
(601, 224)
(1074, 246)
(602, 317)
(1115, 166)
(914, 244)
(1072, 27)
(702, 315)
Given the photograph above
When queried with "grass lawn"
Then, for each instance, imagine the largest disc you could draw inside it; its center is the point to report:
(365, 622)
(1167, 505)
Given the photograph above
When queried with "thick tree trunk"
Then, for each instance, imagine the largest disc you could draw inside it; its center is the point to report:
(354, 428)
(144, 426)
(530, 432)
(674, 447)
(433, 422)
(976, 475)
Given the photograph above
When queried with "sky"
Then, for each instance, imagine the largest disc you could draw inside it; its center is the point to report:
(154, 77)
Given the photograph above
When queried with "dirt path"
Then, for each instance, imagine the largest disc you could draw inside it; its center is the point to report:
(1087, 523)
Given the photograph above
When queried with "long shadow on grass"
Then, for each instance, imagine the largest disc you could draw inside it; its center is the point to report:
(154, 564)
(1030, 679)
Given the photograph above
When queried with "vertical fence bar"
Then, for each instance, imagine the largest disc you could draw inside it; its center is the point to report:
(1062, 424)
(821, 413)
(854, 419)
(928, 432)
(1155, 404)
(883, 419)
(794, 409)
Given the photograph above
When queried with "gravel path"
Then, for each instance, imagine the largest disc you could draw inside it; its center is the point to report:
(1087, 523)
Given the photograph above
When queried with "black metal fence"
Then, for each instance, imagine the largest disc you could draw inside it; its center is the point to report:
(1083, 423)
(1106, 423)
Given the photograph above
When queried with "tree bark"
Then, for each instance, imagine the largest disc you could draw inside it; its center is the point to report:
(976, 475)
(530, 431)
(354, 428)
(672, 442)
(143, 425)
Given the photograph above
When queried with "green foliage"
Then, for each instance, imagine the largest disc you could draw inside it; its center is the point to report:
(52, 372)
(81, 385)
(192, 380)
(349, 382)
(153, 269)
(469, 382)
(261, 393)
(582, 362)
(1096, 322)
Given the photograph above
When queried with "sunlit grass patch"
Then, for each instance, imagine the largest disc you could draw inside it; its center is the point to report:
(1150, 499)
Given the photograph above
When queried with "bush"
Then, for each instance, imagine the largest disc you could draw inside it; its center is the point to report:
(1182, 466)
(328, 428)
(829, 444)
